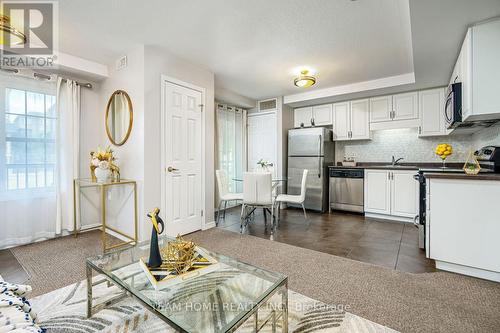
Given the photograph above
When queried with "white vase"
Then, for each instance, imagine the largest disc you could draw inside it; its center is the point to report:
(102, 175)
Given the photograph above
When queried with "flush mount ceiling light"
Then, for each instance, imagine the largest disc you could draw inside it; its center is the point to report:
(304, 80)
(8, 31)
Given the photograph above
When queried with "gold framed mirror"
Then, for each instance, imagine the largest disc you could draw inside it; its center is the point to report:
(119, 117)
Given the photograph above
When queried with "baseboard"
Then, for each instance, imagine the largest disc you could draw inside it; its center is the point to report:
(389, 217)
(466, 270)
(208, 225)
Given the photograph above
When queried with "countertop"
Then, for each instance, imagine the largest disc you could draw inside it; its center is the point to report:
(430, 170)
(453, 167)
(460, 176)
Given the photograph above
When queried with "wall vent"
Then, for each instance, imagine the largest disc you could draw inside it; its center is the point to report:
(268, 105)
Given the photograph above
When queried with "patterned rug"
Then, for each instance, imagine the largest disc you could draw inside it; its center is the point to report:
(64, 310)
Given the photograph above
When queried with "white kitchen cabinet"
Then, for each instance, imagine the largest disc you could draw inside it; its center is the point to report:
(464, 237)
(380, 109)
(431, 106)
(464, 75)
(391, 194)
(405, 106)
(302, 116)
(394, 111)
(404, 193)
(351, 120)
(341, 121)
(360, 119)
(478, 71)
(322, 114)
(377, 192)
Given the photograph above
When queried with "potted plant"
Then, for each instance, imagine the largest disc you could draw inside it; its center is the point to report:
(102, 162)
(264, 165)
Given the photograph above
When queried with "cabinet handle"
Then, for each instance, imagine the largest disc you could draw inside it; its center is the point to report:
(419, 129)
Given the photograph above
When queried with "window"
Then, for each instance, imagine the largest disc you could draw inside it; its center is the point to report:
(30, 133)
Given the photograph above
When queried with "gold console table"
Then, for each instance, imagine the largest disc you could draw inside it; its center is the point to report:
(80, 183)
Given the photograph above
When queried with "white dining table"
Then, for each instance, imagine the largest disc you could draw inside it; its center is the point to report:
(275, 181)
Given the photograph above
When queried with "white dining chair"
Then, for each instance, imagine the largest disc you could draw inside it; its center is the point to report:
(224, 194)
(257, 193)
(295, 199)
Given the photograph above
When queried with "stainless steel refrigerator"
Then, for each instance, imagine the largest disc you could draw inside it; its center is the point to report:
(314, 150)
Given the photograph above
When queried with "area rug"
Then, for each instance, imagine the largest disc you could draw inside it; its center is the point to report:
(64, 310)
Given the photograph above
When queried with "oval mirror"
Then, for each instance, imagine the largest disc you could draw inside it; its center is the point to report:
(119, 117)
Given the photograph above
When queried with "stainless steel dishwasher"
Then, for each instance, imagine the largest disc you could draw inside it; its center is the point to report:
(347, 189)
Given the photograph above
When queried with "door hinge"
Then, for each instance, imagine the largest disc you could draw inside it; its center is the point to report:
(202, 213)
(201, 106)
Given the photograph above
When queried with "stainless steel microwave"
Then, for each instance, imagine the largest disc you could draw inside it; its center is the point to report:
(453, 105)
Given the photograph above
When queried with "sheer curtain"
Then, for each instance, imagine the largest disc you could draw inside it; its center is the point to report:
(67, 151)
(231, 129)
(27, 160)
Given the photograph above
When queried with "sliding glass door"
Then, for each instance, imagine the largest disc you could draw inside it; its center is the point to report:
(231, 127)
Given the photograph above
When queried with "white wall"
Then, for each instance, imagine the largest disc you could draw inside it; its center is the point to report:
(131, 155)
(158, 62)
(226, 96)
(139, 157)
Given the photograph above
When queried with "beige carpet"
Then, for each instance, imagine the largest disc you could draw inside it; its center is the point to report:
(431, 302)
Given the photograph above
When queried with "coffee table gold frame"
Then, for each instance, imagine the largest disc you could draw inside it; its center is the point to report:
(83, 183)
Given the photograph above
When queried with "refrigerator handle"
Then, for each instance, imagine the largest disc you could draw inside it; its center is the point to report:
(319, 155)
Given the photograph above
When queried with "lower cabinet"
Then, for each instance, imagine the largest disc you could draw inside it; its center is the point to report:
(392, 193)
(463, 233)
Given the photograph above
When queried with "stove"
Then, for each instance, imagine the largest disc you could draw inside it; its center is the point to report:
(489, 160)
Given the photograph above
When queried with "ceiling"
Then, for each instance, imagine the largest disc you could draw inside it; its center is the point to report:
(254, 46)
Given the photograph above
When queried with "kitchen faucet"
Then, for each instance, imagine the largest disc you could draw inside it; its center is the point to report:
(395, 161)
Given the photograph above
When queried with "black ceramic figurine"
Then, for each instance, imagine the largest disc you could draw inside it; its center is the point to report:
(154, 249)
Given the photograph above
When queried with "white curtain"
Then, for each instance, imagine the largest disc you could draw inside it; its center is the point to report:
(68, 143)
(231, 134)
(27, 159)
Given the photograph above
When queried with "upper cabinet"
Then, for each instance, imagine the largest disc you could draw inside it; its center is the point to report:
(394, 111)
(319, 115)
(341, 121)
(351, 120)
(405, 106)
(360, 119)
(302, 117)
(478, 71)
(322, 114)
(431, 105)
(381, 109)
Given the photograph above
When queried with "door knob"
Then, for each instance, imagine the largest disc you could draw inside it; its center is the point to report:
(170, 169)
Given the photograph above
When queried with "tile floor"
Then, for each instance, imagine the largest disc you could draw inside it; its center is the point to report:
(380, 242)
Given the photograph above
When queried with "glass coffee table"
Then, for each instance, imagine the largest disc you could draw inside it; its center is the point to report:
(232, 295)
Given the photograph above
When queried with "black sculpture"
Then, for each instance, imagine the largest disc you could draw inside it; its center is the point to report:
(154, 249)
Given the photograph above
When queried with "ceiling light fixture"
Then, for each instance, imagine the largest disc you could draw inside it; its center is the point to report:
(304, 80)
(16, 37)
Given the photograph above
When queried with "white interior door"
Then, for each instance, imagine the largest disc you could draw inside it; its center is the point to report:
(183, 159)
(261, 132)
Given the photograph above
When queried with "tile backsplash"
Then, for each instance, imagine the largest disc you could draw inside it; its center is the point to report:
(406, 143)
